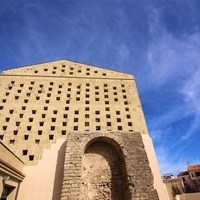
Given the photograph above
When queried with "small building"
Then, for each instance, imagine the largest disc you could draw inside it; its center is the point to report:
(194, 173)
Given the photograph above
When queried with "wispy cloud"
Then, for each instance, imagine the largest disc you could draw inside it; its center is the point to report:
(174, 65)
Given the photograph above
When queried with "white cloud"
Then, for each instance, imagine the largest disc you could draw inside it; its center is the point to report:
(174, 65)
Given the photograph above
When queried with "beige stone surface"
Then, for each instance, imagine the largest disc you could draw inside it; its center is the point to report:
(42, 104)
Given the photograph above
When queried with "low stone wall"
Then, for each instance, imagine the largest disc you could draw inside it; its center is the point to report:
(192, 196)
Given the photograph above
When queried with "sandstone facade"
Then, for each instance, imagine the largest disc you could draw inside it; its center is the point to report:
(98, 115)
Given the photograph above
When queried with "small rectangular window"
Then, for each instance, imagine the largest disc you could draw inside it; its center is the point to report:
(33, 111)
(64, 123)
(15, 132)
(119, 120)
(25, 152)
(52, 128)
(30, 119)
(41, 123)
(7, 119)
(45, 108)
(76, 112)
(108, 123)
(75, 119)
(31, 157)
(97, 119)
(55, 112)
(43, 115)
(126, 109)
(119, 128)
(75, 128)
(51, 137)
(12, 142)
(17, 123)
(106, 102)
(108, 116)
(98, 128)
(87, 116)
(130, 123)
(66, 108)
(87, 123)
(97, 112)
(29, 128)
(107, 109)
(125, 102)
(37, 142)
(23, 107)
(26, 137)
(63, 132)
(39, 132)
(11, 111)
(87, 108)
(4, 128)
(64, 115)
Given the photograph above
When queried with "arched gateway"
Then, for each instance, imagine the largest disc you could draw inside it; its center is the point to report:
(105, 166)
(103, 171)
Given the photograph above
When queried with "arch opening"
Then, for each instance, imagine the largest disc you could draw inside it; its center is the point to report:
(104, 174)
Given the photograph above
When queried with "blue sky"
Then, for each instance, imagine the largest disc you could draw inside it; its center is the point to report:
(156, 40)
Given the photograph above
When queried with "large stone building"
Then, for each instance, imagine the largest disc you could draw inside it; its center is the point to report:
(74, 131)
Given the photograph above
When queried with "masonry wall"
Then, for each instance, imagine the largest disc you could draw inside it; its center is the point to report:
(104, 182)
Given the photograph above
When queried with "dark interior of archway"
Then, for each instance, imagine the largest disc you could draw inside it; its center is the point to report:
(105, 171)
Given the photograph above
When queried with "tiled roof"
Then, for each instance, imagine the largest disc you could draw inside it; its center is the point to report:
(194, 167)
(184, 173)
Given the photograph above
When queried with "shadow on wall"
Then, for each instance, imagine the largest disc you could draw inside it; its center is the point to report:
(59, 172)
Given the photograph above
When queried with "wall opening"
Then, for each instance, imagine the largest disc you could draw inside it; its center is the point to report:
(103, 172)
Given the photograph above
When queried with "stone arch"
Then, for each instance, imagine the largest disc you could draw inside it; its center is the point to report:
(104, 173)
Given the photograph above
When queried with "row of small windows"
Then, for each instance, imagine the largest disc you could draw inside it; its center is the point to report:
(71, 73)
(52, 128)
(53, 119)
(59, 86)
(11, 111)
(71, 70)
